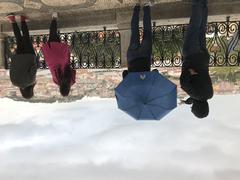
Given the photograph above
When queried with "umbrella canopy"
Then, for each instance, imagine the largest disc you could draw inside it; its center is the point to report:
(146, 95)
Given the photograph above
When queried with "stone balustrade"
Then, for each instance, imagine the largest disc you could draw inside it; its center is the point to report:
(100, 83)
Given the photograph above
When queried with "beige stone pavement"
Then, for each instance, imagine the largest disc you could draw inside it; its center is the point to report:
(64, 5)
(110, 13)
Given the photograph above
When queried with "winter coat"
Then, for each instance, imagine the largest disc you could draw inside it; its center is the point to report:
(199, 86)
(57, 55)
(139, 65)
(23, 69)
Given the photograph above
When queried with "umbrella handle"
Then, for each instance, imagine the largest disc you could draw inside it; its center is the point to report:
(142, 76)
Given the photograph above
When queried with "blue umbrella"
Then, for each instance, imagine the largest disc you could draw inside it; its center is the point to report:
(146, 95)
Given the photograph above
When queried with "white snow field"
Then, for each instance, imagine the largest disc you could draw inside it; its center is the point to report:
(92, 140)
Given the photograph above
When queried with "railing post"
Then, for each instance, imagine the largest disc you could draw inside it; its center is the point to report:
(125, 32)
(2, 51)
(124, 26)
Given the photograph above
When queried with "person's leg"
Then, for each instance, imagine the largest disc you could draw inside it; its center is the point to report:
(18, 36)
(25, 30)
(133, 48)
(28, 47)
(38, 60)
(17, 33)
(191, 41)
(54, 37)
(135, 36)
(146, 47)
(202, 37)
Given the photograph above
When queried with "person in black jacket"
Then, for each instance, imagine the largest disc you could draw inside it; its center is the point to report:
(195, 79)
(139, 54)
(23, 67)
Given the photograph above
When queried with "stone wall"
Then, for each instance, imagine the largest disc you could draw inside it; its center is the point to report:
(93, 83)
(88, 83)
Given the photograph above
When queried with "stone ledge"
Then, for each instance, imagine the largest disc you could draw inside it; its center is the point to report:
(94, 83)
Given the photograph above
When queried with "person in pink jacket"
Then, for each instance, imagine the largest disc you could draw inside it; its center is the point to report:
(57, 57)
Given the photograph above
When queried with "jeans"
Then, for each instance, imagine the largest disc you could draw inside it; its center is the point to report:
(195, 38)
(143, 50)
(24, 44)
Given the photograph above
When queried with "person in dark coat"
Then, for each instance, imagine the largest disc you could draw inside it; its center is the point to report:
(139, 54)
(23, 67)
(195, 79)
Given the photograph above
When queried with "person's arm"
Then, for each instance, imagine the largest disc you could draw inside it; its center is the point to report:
(185, 82)
(56, 75)
(189, 101)
(185, 79)
(33, 68)
(38, 60)
(73, 78)
(124, 73)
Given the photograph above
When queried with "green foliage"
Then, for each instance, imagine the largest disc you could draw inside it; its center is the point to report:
(231, 74)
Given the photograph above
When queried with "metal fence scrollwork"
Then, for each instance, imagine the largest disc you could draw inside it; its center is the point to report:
(167, 45)
(97, 49)
(102, 49)
(223, 44)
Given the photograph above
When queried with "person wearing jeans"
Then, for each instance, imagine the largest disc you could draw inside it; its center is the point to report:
(195, 79)
(57, 57)
(139, 54)
(23, 67)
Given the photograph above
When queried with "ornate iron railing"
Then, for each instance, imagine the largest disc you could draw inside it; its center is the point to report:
(98, 49)
(223, 44)
(102, 49)
(167, 45)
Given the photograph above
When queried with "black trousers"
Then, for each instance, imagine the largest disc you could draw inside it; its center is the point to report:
(54, 36)
(137, 50)
(195, 38)
(139, 55)
(24, 44)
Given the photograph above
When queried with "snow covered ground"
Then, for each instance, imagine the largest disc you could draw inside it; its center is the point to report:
(91, 139)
